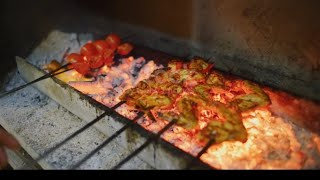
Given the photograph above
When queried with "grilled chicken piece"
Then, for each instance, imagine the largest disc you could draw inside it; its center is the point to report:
(131, 95)
(228, 127)
(173, 90)
(200, 65)
(187, 117)
(215, 79)
(214, 89)
(187, 92)
(203, 90)
(184, 114)
(150, 101)
(226, 123)
(254, 97)
(144, 98)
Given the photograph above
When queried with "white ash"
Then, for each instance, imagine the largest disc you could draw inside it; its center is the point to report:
(42, 123)
(12, 80)
(54, 47)
(261, 150)
(113, 157)
(116, 80)
(282, 145)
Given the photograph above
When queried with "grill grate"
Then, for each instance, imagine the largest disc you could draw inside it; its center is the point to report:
(48, 75)
(144, 145)
(56, 46)
(109, 111)
(106, 142)
(152, 137)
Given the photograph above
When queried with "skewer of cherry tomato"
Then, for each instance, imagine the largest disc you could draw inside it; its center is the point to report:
(94, 55)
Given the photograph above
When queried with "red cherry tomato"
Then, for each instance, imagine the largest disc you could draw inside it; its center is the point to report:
(108, 61)
(81, 67)
(88, 50)
(113, 40)
(124, 49)
(101, 45)
(108, 56)
(95, 61)
(74, 57)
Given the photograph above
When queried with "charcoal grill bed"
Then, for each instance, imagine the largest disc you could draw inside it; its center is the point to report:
(160, 154)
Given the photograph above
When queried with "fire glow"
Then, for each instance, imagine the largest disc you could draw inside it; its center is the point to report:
(272, 141)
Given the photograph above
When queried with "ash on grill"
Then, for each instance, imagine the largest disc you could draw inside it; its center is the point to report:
(115, 80)
(273, 142)
(265, 130)
(39, 123)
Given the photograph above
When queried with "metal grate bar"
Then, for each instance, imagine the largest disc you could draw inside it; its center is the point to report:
(203, 150)
(118, 105)
(85, 127)
(107, 141)
(45, 154)
(149, 140)
(48, 75)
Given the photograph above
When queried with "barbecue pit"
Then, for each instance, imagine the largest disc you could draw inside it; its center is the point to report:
(40, 130)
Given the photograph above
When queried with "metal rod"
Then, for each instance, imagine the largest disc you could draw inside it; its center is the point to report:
(107, 141)
(75, 134)
(48, 75)
(118, 105)
(144, 145)
(46, 153)
(203, 150)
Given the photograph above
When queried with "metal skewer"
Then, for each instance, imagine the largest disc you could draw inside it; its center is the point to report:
(107, 141)
(144, 145)
(50, 150)
(48, 75)
(203, 150)
(77, 132)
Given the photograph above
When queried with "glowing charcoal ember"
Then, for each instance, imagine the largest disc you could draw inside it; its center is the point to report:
(271, 134)
(115, 80)
(316, 139)
(256, 140)
(271, 144)
(127, 111)
(145, 71)
(94, 88)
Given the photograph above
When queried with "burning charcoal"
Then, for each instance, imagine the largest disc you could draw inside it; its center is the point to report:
(111, 93)
(117, 82)
(236, 115)
(137, 66)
